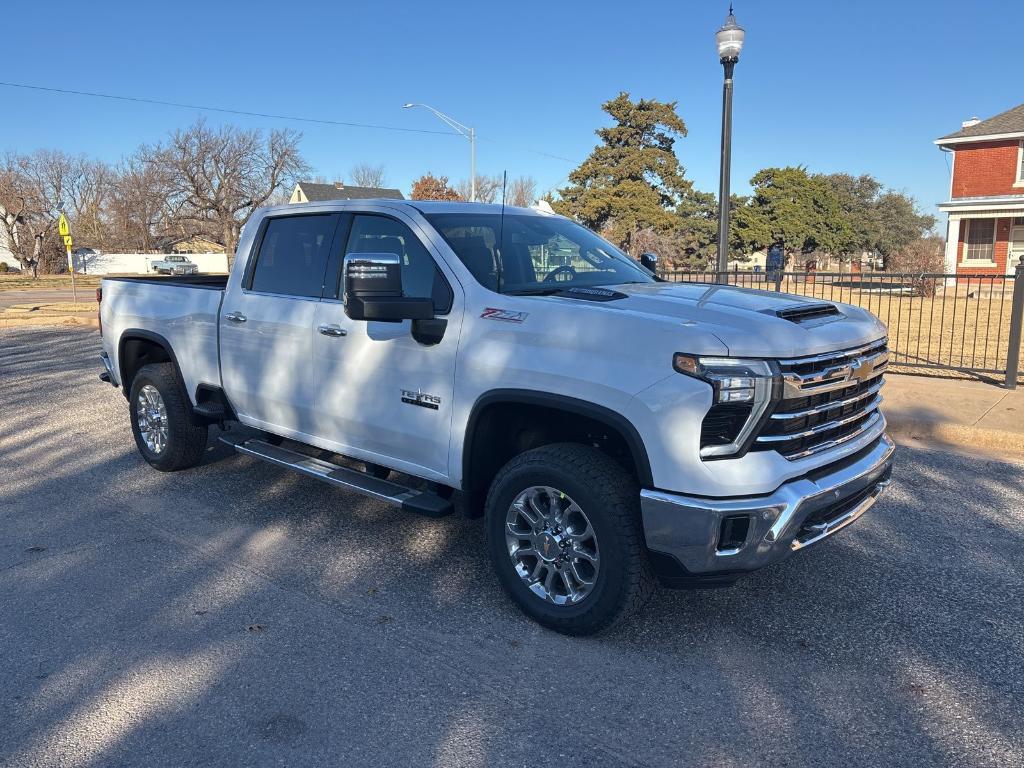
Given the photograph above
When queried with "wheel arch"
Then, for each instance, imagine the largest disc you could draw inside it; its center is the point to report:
(481, 458)
(137, 347)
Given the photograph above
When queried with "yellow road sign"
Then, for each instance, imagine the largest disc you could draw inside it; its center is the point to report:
(62, 226)
(68, 242)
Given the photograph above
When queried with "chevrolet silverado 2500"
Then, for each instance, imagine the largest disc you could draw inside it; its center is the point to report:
(612, 429)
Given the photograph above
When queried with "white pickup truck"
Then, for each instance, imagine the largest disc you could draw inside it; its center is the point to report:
(612, 429)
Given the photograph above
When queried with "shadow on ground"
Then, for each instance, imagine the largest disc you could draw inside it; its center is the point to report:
(236, 614)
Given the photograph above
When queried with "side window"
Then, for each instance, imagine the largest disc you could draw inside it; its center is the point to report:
(420, 276)
(293, 255)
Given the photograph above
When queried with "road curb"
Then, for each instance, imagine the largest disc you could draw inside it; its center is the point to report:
(948, 435)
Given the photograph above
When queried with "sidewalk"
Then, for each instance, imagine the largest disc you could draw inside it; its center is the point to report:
(926, 411)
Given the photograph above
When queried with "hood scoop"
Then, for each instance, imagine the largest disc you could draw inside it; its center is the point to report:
(805, 313)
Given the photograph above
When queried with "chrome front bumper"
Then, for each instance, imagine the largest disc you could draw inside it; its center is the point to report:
(685, 530)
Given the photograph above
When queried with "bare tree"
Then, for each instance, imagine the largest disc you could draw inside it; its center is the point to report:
(919, 258)
(367, 175)
(218, 177)
(139, 209)
(487, 188)
(431, 187)
(522, 191)
(34, 190)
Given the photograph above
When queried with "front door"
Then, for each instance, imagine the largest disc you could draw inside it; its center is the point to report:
(266, 325)
(381, 395)
(1016, 247)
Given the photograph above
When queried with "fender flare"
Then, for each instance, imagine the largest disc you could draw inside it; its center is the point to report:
(599, 413)
(130, 334)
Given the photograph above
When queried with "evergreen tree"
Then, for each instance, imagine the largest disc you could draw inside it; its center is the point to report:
(633, 179)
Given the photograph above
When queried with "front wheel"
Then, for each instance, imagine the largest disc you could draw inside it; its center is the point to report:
(168, 434)
(564, 536)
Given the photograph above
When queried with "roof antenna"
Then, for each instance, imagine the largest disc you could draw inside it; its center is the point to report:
(501, 230)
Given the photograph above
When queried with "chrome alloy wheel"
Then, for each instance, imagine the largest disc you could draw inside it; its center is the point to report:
(152, 416)
(552, 545)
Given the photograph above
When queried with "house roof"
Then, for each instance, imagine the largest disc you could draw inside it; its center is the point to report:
(316, 193)
(1008, 124)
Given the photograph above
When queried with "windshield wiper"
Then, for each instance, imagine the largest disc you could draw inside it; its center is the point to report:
(536, 291)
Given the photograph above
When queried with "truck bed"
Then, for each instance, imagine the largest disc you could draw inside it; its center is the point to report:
(213, 282)
(180, 310)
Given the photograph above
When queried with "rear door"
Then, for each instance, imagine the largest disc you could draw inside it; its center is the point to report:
(266, 326)
(382, 395)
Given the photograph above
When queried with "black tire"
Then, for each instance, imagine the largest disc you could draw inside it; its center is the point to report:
(186, 433)
(610, 498)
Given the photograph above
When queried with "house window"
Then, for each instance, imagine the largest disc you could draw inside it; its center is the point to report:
(980, 241)
(1020, 163)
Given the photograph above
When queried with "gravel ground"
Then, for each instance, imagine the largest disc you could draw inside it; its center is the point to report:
(236, 614)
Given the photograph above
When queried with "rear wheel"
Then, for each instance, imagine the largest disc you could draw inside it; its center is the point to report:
(168, 434)
(563, 531)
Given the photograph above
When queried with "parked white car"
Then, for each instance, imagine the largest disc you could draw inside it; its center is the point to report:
(610, 427)
(175, 264)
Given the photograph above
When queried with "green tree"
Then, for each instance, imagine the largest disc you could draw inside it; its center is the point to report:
(633, 179)
(857, 196)
(696, 234)
(879, 220)
(898, 222)
(799, 210)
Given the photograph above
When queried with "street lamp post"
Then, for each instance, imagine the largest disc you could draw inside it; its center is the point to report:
(730, 41)
(469, 133)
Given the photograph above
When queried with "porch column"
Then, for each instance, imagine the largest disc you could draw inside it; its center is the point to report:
(952, 241)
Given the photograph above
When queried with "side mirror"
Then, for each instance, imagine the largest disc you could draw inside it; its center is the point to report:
(373, 290)
(649, 261)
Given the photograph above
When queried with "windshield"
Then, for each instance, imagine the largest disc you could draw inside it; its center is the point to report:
(537, 254)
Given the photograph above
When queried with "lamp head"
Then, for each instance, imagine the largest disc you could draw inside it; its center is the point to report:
(729, 39)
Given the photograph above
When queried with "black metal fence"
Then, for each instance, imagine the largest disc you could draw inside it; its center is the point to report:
(968, 323)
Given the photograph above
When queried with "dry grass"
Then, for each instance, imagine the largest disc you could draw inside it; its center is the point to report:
(59, 307)
(25, 281)
(56, 313)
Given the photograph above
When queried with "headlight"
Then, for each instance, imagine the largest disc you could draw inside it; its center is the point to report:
(742, 391)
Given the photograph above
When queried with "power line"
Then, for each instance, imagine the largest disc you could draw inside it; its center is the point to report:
(293, 118)
(225, 110)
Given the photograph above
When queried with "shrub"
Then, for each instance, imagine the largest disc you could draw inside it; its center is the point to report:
(4, 267)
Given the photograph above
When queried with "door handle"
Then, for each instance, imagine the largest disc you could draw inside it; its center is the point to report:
(235, 317)
(332, 330)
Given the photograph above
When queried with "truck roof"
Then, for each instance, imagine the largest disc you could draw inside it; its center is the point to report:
(423, 206)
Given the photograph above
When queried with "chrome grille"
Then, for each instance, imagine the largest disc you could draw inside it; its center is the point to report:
(827, 400)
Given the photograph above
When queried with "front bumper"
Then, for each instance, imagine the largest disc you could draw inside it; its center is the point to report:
(683, 532)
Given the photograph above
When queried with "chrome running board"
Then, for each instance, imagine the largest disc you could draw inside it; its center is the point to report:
(409, 499)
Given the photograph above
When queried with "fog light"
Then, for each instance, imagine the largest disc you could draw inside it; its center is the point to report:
(732, 534)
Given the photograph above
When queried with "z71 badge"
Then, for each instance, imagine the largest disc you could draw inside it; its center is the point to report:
(421, 399)
(506, 315)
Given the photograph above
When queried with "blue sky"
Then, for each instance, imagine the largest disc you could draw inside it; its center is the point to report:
(861, 87)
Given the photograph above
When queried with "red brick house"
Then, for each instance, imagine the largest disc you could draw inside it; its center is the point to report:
(986, 195)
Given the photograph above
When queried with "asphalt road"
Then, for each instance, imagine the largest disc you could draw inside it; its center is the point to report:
(236, 614)
(45, 296)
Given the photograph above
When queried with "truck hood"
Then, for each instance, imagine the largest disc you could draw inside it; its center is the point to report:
(751, 322)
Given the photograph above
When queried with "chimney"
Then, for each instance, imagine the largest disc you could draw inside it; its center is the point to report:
(970, 123)
(339, 185)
